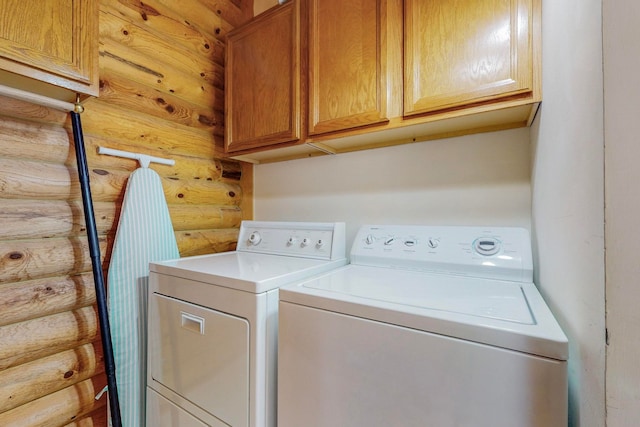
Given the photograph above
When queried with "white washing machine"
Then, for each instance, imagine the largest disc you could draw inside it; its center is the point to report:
(212, 338)
(428, 326)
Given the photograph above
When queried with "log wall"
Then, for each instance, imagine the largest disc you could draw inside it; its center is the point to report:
(162, 94)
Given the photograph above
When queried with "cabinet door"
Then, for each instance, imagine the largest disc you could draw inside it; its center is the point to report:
(461, 52)
(262, 86)
(50, 46)
(347, 64)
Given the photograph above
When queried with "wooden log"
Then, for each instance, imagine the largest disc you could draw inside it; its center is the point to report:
(20, 139)
(201, 17)
(143, 69)
(201, 217)
(22, 110)
(33, 339)
(97, 418)
(162, 49)
(33, 380)
(37, 219)
(59, 408)
(118, 90)
(186, 165)
(106, 121)
(198, 192)
(199, 242)
(27, 300)
(164, 23)
(25, 179)
(33, 259)
(229, 11)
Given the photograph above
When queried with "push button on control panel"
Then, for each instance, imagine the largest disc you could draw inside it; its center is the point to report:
(486, 246)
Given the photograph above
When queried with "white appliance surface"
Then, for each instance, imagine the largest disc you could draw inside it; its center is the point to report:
(426, 326)
(512, 315)
(245, 271)
(213, 324)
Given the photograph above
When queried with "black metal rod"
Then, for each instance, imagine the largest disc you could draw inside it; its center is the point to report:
(98, 278)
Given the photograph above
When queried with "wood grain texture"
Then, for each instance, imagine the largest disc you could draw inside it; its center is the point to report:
(59, 408)
(348, 71)
(466, 51)
(33, 380)
(263, 81)
(50, 44)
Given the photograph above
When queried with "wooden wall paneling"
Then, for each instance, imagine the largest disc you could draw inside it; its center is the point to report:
(162, 93)
(34, 259)
(33, 339)
(31, 113)
(161, 49)
(158, 19)
(117, 90)
(108, 122)
(135, 66)
(25, 219)
(59, 408)
(33, 380)
(24, 140)
(202, 217)
(198, 242)
(27, 300)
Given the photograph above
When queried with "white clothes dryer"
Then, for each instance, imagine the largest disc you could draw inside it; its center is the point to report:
(428, 326)
(212, 337)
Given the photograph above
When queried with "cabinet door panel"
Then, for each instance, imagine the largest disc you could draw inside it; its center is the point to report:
(51, 41)
(347, 64)
(263, 81)
(461, 52)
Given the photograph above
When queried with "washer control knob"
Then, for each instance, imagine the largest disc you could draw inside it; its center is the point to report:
(319, 243)
(486, 246)
(389, 241)
(255, 238)
(370, 240)
(292, 240)
(305, 242)
(433, 243)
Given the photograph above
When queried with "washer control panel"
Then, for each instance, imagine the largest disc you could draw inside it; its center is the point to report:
(488, 252)
(302, 239)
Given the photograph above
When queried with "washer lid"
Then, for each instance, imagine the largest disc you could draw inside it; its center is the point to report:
(244, 271)
(506, 314)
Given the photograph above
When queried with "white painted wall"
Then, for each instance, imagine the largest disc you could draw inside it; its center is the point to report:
(472, 180)
(567, 187)
(622, 189)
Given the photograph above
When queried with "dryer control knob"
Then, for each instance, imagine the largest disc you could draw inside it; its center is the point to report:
(305, 242)
(255, 238)
(370, 240)
(487, 246)
(292, 240)
(433, 243)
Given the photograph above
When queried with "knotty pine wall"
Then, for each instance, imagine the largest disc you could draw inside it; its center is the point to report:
(161, 75)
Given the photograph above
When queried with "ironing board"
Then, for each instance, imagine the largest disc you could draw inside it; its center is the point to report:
(144, 234)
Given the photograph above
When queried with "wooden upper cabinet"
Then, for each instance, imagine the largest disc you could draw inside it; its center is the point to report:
(348, 73)
(262, 83)
(50, 47)
(462, 52)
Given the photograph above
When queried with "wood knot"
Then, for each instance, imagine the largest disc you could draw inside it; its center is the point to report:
(68, 374)
(180, 195)
(15, 255)
(100, 172)
(232, 194)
